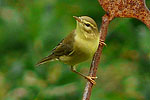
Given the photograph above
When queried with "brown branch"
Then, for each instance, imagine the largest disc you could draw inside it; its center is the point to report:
(145, 18)
(115, 8)
(127, 9)
(96, 59)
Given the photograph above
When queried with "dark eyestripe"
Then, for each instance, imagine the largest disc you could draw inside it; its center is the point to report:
(88, 25)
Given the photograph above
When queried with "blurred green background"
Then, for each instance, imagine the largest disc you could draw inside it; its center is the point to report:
(30, 29)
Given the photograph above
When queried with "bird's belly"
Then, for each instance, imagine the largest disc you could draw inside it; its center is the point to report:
(82, 52)
(75, 58)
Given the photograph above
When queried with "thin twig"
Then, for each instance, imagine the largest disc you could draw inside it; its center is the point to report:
(96, 59)
(127, 8)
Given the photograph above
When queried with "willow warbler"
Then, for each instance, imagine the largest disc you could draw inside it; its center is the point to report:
(80, 45)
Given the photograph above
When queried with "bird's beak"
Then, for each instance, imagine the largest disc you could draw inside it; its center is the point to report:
(77, 18)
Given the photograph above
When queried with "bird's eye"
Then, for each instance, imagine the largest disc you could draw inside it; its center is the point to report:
(87, 25)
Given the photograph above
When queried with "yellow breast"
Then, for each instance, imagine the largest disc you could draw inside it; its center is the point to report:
(85, 45)
(84, 49)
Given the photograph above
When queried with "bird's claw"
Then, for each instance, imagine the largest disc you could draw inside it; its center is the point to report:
(91, 79)
(101, 42)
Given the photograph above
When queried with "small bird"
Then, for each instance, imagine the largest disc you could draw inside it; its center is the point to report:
(80, 45)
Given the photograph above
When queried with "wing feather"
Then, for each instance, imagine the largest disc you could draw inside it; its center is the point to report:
(65, 47)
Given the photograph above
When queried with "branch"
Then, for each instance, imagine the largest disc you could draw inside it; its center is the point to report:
(96, 59)
(127, 9)
(115, 8)
(145, 17)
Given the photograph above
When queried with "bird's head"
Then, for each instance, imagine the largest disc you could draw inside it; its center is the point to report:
(86, 26)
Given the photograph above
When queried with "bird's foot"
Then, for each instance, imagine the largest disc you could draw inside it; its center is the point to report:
(101, 42)
(91, 79)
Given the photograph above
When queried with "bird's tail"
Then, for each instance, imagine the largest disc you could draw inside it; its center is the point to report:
(46, 59)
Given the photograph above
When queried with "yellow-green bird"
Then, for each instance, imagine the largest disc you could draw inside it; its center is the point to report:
(80, 45)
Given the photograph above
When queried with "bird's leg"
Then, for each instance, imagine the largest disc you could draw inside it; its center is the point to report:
(89, 78)
(101, 42)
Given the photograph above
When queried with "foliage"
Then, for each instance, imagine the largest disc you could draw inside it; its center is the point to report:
(29, 29)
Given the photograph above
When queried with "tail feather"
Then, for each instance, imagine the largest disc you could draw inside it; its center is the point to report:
(46, 59)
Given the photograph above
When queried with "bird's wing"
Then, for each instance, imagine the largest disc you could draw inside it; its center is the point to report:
(65, 47)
